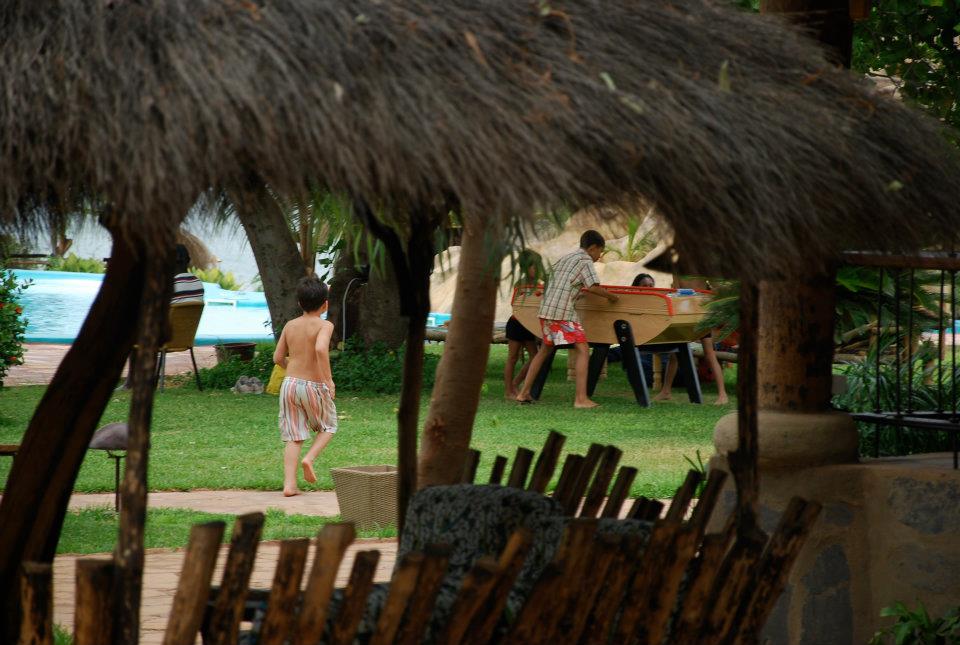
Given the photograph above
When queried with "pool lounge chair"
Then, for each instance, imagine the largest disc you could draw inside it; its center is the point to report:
(184, 320)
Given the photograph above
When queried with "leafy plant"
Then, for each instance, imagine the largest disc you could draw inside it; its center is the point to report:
(864, 386)
(638, 242)
(12, 323)
(226, 280)
(61, 636)
(701, 468)
(75, 264)
(375, 369)
(918, 627)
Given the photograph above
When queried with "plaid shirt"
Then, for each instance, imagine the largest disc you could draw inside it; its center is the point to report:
(571, 273)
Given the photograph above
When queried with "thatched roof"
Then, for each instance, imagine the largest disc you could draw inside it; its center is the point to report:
(750, 145)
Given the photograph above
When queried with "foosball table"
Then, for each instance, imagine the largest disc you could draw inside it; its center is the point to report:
(643, 320)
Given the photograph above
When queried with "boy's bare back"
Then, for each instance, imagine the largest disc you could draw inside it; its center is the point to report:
(304, 348)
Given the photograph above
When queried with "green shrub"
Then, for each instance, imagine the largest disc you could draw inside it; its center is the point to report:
(375, 369)
(226, 281)
(75, 264)
(918, 627)
(861, 396)
(12, 323)
(61, 635)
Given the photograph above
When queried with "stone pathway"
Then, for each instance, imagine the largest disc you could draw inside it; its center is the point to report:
(41, 362)
(236, 502)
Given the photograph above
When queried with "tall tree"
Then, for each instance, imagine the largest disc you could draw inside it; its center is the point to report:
(456, 392)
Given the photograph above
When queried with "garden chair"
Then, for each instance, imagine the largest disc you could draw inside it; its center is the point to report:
(184, 320)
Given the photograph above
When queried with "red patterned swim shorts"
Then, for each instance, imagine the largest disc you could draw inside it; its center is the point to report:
(562, 332)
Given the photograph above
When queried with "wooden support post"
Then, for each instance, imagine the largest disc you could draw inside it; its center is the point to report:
(93, 605)
(228, 607)
(285, 593)
(36, 599)
(193, 588)
(547, 462)
(355, 597)
(332, 543)
(153, 332)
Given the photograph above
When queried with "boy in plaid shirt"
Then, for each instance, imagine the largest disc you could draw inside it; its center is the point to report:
(559, 321)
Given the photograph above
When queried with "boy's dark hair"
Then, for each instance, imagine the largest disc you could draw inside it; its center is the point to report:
(592, 238)
(640, 278)
(311, 293)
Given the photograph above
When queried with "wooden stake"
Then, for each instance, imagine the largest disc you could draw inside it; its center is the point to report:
(355, 597)
(437, 557)
(285, 592)
(36, 598)
(402, 586)
(499, 467)
(618, 495)
(508, 565)
(228, 608)
(598, 490)
(594, 453)
(193, 589)
(470, 466)
(521, 466)
(547, 462)
(93, 613)
(332, 543)
(476, 588)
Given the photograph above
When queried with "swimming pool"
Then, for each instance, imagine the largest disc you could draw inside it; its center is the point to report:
(57, 302)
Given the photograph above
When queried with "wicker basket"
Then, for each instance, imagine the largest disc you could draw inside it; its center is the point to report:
(367, 495)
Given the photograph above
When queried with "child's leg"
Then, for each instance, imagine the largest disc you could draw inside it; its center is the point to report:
(667, 387)
(513, 353)
(291, 453)
(535, 364)
(531, 347)
(711, 355)
(319, 443)
(581, 354)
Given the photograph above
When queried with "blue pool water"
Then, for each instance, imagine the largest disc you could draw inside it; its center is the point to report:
(57, 302)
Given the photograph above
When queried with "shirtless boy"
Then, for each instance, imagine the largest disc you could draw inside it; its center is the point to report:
(307, 391)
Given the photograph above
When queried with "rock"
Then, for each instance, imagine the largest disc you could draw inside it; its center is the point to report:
(248, 385)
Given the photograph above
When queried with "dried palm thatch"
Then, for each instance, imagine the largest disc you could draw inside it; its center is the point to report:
(730, 123)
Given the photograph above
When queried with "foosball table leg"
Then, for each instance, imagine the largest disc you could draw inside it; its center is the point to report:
(598, 358)
(631, 361)
(688, 372)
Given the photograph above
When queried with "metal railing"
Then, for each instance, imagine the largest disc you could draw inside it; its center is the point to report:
(943, 417)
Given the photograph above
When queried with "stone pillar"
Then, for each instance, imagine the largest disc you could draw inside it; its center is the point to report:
(796, 425)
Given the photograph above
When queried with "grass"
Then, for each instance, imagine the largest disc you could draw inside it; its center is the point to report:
(94, 530)
(219, 440)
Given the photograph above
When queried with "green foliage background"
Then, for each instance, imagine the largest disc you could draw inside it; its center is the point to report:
(12, 323)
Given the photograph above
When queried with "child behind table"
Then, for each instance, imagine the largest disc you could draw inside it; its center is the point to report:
(307, 391)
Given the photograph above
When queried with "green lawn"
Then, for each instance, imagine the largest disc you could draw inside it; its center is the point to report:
(221, 440)
(94, 530)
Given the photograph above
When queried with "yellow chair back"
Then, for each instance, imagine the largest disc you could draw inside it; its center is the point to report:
(184, 320)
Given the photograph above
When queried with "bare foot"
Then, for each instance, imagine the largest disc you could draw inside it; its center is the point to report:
(524, 398)
(308, 473)
(722, 400)
(663, 396)
(512, 394)
(586, 404)
(290, 493)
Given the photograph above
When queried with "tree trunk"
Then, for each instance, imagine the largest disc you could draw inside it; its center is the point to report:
(460, 375)
(153, 331)
(412, 263)
(381, 318)
(346, 289)
(277, 256)
(41, 480)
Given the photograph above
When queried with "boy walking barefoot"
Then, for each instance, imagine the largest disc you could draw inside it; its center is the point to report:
(559, 320)
(307, 391)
